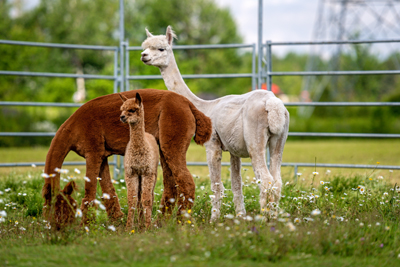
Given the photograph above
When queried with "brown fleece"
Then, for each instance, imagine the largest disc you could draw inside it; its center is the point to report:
(95, 132)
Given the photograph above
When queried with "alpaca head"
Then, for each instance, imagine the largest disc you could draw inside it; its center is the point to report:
(65, 206)
(158, 48)
(131, 109)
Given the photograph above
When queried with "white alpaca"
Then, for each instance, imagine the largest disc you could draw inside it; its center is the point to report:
(242, 124)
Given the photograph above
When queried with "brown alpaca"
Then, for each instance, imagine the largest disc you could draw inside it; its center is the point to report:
(141, 161)
(95, 132)
(65, 206)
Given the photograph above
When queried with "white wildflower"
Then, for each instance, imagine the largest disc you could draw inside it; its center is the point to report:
(112, 228)
(106, 196)
(78, 213)
(315, 212)
(229, 216)
(291, 226)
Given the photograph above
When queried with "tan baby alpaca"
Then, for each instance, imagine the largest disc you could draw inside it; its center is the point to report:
(141, 161)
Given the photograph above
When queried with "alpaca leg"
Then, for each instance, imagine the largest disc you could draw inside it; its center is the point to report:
(256, 148)
(276, 145)
(93, 164)
(236, 181)
(176, 129)
(148, 183)
(265, 178)
(256, 136)
(170, 190)
(214, 155)
(132, 185)
(113, 207)
(182, 185)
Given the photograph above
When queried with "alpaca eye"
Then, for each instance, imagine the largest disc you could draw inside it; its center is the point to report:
(161, 50)
(132, 111)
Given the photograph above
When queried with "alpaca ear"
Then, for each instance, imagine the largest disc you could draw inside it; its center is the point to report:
(69, 188)
(148, 33)
(138, 99)
(170, 35)
(123, 98)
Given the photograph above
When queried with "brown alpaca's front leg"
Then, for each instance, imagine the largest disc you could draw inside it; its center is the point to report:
(132, 184)
(113, 207)
(93, 164)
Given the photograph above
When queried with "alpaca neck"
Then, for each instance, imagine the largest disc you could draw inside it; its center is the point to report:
(174, 82)
(136, 134)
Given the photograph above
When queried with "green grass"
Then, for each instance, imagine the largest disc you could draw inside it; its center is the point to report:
(352, 228)
(179, 241)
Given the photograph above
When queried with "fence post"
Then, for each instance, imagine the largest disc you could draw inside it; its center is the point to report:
(126, 43)
(260, 49)
(253, 68)
(269, 66)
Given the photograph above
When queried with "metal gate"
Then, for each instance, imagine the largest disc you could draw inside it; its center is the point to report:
(264, 73)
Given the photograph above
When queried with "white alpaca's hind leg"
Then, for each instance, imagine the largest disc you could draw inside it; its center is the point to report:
(264, 179)
(214, 155)
(236, 180)
(276, 144)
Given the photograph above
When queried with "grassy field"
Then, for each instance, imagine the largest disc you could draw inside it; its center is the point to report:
(341, 218)
(350, 151)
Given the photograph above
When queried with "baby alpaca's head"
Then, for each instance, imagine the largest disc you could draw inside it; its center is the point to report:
(132, 109)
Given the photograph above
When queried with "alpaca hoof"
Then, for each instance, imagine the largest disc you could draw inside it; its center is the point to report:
(241, 213)
(215, 215)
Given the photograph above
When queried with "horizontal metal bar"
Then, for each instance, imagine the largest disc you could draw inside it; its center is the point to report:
(335, 42)
(40, 104)
(340, 104)
(333, 104)
(28, 134)
(61, 75)
(300, 164)
(29, 164)
(304, 134)
(206, 46)
(57, 45)
(318, 73)
(347, 166)
(344, 135)
(193, 76)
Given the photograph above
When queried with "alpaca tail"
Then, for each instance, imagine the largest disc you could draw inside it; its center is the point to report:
(203, 126)
(276, 115)
(59, 148)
